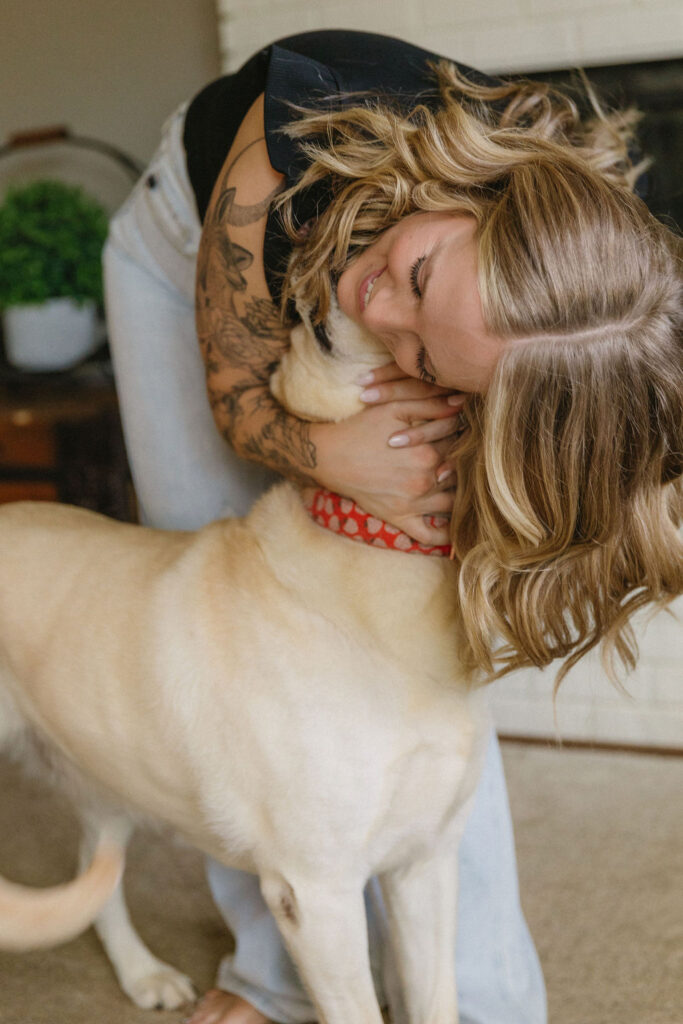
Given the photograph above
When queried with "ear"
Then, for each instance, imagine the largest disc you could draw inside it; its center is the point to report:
(319, 384)
(351, 342)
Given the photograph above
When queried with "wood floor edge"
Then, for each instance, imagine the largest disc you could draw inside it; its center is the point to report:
(568, 744)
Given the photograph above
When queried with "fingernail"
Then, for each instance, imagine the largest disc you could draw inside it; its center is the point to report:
(366, 378)
(444, 475)
(399, 440)
(371, 395)
(438, 521)
(455, 400)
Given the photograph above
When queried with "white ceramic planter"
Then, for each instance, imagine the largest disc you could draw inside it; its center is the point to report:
(54, 335)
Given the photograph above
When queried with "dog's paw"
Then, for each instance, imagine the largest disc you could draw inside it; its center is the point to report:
(162, 988)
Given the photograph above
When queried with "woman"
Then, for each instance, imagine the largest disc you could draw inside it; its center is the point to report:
(492, 242)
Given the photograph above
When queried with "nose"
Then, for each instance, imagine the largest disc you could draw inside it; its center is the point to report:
(391, 308)
(392, 319)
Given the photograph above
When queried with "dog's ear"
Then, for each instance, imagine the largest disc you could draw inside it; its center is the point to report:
(351, 342)
(316, 378)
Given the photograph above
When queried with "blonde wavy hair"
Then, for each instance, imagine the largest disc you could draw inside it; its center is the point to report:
(569, 491)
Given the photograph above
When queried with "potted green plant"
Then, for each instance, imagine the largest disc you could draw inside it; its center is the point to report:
(51, 238)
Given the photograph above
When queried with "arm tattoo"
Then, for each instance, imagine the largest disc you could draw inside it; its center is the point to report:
(285, 443)
(261, 318)
(233, 258)
(249, 338)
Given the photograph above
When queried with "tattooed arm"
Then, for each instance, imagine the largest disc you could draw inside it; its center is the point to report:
(239, 329)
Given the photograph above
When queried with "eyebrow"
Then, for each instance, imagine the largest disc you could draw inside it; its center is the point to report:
(429, 267)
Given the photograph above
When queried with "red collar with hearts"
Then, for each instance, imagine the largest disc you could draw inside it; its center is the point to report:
(343, 516)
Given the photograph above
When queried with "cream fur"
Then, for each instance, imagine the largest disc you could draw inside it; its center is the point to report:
(288, 700)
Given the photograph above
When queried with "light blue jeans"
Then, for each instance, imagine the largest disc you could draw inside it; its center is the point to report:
(185, 475)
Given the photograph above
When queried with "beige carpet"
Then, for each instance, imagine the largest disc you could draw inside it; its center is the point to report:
(599, 839)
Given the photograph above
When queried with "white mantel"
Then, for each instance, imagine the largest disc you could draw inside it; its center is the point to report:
(493, 35)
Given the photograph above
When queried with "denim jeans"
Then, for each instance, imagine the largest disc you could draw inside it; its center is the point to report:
(186, 475)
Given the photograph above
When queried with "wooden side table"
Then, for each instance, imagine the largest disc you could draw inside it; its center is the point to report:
(61, 440)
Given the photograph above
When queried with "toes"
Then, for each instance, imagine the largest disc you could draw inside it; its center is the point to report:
(219, 1007)
(211, 1008)
(164, 989)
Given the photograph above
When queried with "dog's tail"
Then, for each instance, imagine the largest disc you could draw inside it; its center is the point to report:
(37, 918)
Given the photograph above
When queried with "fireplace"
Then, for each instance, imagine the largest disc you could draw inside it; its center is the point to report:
(656, 89)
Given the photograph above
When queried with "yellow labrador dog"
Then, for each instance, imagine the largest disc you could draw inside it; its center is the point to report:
(287, 699)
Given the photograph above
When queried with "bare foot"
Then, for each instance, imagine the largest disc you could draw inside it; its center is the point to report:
(218, 1007)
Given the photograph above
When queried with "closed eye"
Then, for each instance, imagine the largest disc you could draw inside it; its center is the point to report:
(422, 371)
(414, 271)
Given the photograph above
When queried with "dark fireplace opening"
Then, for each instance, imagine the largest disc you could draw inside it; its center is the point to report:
(656, 89)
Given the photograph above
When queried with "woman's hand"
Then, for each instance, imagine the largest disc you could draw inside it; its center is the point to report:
(389, 383)
(390, 458)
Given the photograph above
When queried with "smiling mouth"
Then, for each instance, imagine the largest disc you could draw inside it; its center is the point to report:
(367, 287)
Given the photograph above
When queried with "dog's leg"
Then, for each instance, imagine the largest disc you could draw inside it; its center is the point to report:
(421, 904)
(148, 981)
(325, 929)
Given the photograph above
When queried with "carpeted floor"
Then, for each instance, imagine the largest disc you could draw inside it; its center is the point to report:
(599, 839)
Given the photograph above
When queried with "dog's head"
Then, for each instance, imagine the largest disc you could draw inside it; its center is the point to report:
(317, 377)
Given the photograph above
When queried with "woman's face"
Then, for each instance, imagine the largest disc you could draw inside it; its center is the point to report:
(416, 289)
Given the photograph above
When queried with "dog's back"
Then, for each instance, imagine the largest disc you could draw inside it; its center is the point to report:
(289, 700)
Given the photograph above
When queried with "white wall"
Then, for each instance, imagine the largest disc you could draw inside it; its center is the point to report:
(493, 35)
(109, 69)
(113, 69)
(526, 35)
